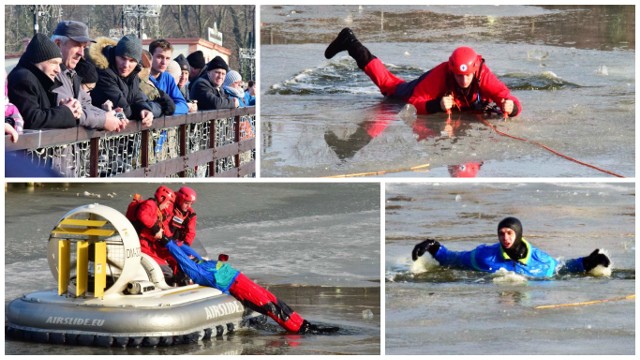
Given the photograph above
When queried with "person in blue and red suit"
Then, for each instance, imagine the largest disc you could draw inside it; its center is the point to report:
(464, 82)
(220, 275)
(512, 253)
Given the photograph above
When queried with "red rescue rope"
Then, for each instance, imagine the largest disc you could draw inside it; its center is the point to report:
(484, 121)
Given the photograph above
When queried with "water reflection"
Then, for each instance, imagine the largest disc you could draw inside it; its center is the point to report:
(346, 146)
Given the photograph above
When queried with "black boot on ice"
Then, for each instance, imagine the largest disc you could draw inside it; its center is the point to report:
(341, 43)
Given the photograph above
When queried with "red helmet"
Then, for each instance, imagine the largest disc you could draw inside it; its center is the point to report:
(185, 194)
(465, 170)
(464, 61)
(163, 194)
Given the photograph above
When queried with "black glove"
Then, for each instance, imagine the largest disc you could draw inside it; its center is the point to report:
(168, 106)
(594, 259)
(164, 240)
(429, 245)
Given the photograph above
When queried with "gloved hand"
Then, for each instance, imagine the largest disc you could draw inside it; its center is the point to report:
(168, 106)
(223, 257)
(429, 245)
(594, 259)
(164, 240)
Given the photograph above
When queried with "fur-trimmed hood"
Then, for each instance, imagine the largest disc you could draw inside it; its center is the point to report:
(97, 52)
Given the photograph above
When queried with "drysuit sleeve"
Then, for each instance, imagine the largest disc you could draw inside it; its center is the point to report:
(147, 214)
(494, 89)
(197, 272)
(457, 259)
(573, 266)
(190, 230)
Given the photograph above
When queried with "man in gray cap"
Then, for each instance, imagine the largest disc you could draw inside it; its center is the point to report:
(118, 65)
(207, 91)
(72, 37)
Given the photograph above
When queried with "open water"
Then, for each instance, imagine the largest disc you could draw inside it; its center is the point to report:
(316, 246)
(434, 310)
(572, 67)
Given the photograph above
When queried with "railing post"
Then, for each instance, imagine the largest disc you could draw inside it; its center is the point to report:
(94, 156)
(236, 139)
(182, 144)
(212, 146)
(144, 147)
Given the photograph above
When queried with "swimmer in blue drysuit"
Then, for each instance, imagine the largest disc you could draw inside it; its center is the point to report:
(512, 253)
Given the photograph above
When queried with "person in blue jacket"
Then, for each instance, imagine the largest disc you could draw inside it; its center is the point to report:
(512, 253)
(161, 51)
(232, 85)
(220, 275)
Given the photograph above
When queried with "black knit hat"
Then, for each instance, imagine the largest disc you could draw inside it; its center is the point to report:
(41, 49)
(217, 63)
(182, 61)
(86, 71)
(129, 46)
(196, 59)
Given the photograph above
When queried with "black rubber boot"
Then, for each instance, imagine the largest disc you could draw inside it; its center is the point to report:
(309, 328)
(341, 43)
(346, 40)
(360, 54)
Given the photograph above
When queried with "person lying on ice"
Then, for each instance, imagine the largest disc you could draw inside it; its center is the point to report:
(512, 253)
(464, 82)
(220, 275)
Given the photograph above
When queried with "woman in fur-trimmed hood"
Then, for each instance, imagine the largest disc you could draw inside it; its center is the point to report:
(118, 65)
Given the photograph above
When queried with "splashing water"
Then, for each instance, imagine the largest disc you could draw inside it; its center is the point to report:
(424, 264)
(503, 276)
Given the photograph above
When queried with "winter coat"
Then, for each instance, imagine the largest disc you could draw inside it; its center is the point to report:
(166, 83)
(208, 96)
(123, 92)
(92, 117)
(32, 92)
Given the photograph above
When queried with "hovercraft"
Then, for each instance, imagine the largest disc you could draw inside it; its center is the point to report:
(111, 294)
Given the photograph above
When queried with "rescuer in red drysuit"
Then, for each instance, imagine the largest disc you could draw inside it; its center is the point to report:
(149, 218)
(464, 82)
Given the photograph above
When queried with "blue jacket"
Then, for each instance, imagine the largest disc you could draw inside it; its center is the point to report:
(215, 274)
(247, 100)
(491, 258)
(166, 83)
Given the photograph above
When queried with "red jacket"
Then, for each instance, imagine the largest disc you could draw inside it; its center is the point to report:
(439, 82)
(151, 220)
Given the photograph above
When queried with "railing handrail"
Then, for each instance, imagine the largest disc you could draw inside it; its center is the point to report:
(34, 139)
(86, 144)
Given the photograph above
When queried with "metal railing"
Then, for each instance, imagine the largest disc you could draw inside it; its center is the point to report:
(202, 144)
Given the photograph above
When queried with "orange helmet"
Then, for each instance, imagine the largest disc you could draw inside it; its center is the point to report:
(163, 194)
(464, 61)
(185, 194)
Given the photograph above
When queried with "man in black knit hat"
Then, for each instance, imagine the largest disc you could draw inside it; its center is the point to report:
(118, 65)
(206, 89)
(31, 84)
(512, 253)
(197, 64)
